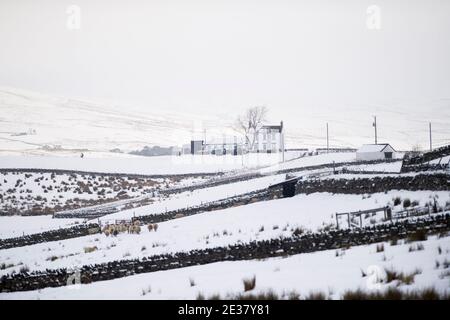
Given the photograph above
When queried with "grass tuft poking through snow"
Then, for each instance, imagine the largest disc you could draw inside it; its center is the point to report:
(419, 235)
(249, 284)
(405, 278)
(396, 294)
(416, 247)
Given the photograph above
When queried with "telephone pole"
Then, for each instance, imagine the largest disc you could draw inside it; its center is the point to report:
(375, 125)
(431, 142)
(328, 140)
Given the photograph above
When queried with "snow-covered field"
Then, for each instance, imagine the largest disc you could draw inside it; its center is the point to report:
(167, 165)
(379, 167)
(331, 272)
(313, 161)
(37, 193)
(198, 197)
(16, 226)
(258, 221)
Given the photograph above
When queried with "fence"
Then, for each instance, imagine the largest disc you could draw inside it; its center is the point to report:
(358, 214)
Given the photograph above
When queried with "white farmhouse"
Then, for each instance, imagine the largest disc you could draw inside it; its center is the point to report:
(269, 139)
(375, 152)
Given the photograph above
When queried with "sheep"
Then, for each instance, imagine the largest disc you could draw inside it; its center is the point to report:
(106, 233)
(137, 229)
(155, 227)
(137, 223)
(150, 227)
(179, 215)
(112, 228)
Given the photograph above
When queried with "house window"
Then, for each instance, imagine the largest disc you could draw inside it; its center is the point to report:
(388, 155)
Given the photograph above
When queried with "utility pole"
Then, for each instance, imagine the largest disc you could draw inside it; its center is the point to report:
(375, 125)
(431, 142)
(204, 141)
(328, 141)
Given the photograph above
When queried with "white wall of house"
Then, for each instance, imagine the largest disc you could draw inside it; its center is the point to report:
(375, 152)
(268, 139)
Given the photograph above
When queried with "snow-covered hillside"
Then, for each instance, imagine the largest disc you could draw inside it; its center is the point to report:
(243, 224)
(267, 219)
(167, 165)
(30, 121)
(43, 124)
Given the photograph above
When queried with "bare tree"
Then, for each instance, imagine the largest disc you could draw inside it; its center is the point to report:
(249, 124)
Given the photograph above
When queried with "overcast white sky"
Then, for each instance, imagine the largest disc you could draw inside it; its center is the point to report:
(308, 61)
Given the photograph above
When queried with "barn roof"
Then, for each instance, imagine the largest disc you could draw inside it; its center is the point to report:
(374, 147)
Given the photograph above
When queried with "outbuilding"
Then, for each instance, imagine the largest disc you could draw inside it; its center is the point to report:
(375, 152)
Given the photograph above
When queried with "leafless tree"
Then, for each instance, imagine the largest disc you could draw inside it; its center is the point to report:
(249, 124)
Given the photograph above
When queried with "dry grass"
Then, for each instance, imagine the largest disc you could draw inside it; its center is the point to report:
(316, 295)
(406, 278)
(396, 294)
(419, 235)
(417, 247)
(265, 295)
(249, 284)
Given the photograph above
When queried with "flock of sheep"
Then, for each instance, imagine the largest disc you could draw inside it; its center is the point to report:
(133, 227)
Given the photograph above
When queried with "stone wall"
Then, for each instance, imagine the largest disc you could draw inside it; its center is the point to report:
(434, 182)
(52, 235)
(240, 200)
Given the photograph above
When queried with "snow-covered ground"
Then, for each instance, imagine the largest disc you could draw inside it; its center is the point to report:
(132, 165)
(99, 126)
(443, 160)
(198, 197)
(379, 167)
(313, 161)
(166, 165)
(40, 192)
(331, 272)
(326, 271)
(258, 221)
(17, 226)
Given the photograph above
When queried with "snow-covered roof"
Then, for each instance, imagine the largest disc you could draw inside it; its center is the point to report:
(374, 147)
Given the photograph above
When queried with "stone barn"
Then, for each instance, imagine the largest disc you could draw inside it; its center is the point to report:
(287, 187)
(375, 152)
